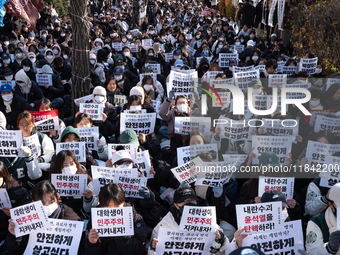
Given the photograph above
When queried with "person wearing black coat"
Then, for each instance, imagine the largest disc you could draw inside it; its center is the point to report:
(248, 13)
(27, 88)
(11, 104)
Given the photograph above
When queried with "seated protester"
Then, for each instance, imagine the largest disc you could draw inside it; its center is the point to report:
(83, 120)
(322, 236)
(290, 211)
(332, 97)
(271, 66)
(158, 87)
(11, 104)
(203, 67)
(111, 89)
(27, 88)
(112, 196)
(49, 56)
(55, 92)
(6, 58)
(7, 74)
(125, 83)
(47, 193)
(99, 67)
(19, 55)
(108, 126)
(130, 61)
(185, 196)
(146, 101)
(149, 87)
(71, 135)
(257, 89)
(275, 52)
(66, 163)
(46, 105)
(17, 195)
(27, 66)
(177, 55)
(318, 79)
(95, 80)
(64, 71)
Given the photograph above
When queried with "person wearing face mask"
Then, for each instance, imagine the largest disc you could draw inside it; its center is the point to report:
(8, 75)
(7, 62)
(184, 196)
(322, 236)
(319, 78)
(45, 192)
(71, 135)
(125, 78)
(66, 162)
(98, 66)
(56, 50)
(12, 105)
(113, 196)
(158, 86)
(27, 66)
(27, 88)
(49, 56)
(42, 49)
(257, 88)
(177, 55)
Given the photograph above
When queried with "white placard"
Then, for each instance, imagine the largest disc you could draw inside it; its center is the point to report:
(144, 163)
(155, 67)
(185, 125)
(280, 145)
(211, 75)
(140, 123)
(297, 95)
(63, 237)
(237, 69)
(200, 219)
(182, 83)
(33, 143)
(188, 172)
(90, 136)
(308, 64)
(29, 218)
(168, 57)
(94, 110)
(317, 154)
(287, 241)
(117, 46)
(5, 201)
(215, 174)
(120, 99)
(331, 81)
(329, 175)
(84, 99)
(69, 185)
(146, 43)
(327, 123)
(187, 153)
(283, 184)
(275, 127)
(260, 218)
(235, 130)
(11, 142)
(44, 79)
(131, 185)
(243, 80)
(105, 175)
(116, 221)
(277, 80)
(12, 83)
(153, 75)
(131, 148)
(261, 68)
(225, 57)
(289, 70)
(239, 48)
(44, 126)
(199, 59)
(78, 149)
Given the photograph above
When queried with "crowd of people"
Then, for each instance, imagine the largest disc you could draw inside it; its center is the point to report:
(186, 37)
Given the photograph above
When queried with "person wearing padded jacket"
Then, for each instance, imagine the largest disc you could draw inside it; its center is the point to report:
(112, 196)
(47, 193)
(185, 196)
(27, 88)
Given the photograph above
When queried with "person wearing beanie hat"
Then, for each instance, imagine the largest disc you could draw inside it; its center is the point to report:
(138, 91)
(99, 95)
(322, 236)
(185, 196)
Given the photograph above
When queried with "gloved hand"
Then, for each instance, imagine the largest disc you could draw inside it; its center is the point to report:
(334, 241)
(101, 144)
(26, 151)
(218, 190)
(171, 96)
(217, 243)
(144, 192)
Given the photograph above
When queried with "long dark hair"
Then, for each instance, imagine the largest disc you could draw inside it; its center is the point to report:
(44, 101)
(42, 188)
(111, 192)
(59, 162)
(9, 180)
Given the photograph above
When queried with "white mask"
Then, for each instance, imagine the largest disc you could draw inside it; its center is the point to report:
(49, 209)
(318, 70)
(242, 40)
(182, 108)
(135, 107)
(257, 91)
(69, 170)
(49, 57)
(237, 43)
(62, 35)
(252, 36)
(65, 57)
(7, 61)
(315, 103)
(198, 36)
(31, 38)
(148, 87)
(151, 54)
(220, 46)
(177, 57)
(7, 97)
(55, 52)
(99, 99)
(118, 77)
(127, 165)
(21, 47)
(127, 54)
(129, 36)
(26, 68)
(18, 55)
(33, 60)
(9, 77)
(92, 62)
(285, 215)
(124, 40)
(44, 36)
(6, 43)
(255, 58)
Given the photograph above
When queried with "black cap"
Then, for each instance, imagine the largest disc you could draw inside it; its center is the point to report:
(247, 251)
(7, 71)
(183, 193)
(274, 195)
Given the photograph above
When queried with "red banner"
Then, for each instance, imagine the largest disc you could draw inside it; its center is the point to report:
(25, 9)
(39, 116)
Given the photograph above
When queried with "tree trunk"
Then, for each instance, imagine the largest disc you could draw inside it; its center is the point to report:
(80, 53)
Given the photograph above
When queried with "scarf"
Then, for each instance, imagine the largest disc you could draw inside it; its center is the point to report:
(8, 106)
(330, 220)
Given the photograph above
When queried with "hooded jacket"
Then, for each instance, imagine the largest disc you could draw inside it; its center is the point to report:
(31, 91)
(50, 61)
(57, 89)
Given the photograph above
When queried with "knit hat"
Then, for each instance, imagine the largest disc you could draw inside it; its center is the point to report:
(99, 90)
(137, 90)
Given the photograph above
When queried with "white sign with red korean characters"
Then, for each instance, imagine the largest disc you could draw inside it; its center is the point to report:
(69, 185)
(198, 219)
